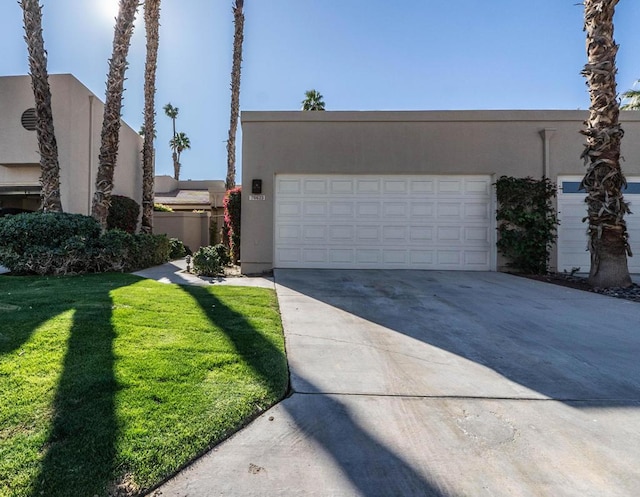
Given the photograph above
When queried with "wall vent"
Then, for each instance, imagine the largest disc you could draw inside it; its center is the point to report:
(29, 119)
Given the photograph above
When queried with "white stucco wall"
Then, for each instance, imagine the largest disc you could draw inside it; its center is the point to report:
(77, 115)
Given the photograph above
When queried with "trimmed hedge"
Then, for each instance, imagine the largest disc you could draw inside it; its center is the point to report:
(123, 214)
(61, 243)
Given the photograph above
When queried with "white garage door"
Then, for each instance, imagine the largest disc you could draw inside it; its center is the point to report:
(572, 232)
(362, 222)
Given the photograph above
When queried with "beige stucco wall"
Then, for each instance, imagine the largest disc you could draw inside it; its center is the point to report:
(190, 227)
(417, 142)
(77, 115)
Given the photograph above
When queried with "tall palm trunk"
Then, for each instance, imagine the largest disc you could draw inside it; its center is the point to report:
(112, 111)
(152, 24)
(50, 168)
(238, 37)
(603, 181)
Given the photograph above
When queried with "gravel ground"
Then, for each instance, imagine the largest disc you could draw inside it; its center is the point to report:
(579, 282)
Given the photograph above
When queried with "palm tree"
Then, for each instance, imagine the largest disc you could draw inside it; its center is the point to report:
(313, 100)
(172, 112)
(238, 37)
(633, 99)
(112, 110)
(179, 144)
(152, 24)
(603, 181)
(49, 165)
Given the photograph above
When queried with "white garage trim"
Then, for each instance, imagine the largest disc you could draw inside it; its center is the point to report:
(572, 232)
(384, 222)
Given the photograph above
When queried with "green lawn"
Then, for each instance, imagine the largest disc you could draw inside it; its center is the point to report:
(114, 381)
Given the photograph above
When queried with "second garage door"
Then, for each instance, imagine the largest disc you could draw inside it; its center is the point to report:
(389, 221)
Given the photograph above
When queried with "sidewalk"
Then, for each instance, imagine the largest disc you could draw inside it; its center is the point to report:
(176, 272)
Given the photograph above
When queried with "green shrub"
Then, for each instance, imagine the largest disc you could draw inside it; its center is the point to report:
(232, 213)
(45, 229)
(162, 208)
(149, 250)
(223, 254)
(56, 243)
(206, 262)
(527, 222)
(123, 214)
(178, 249)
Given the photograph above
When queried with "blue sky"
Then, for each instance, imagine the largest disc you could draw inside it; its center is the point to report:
(360, 54)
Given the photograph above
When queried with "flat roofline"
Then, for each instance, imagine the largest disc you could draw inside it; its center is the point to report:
(428, 116)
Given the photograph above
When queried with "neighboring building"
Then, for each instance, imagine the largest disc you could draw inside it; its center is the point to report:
(409, 190)
(199, 204)
(77, 115)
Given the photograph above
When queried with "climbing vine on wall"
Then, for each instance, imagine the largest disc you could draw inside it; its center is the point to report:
(232, 211)
(527, 222)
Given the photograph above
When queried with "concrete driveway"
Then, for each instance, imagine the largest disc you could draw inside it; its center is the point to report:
(411, 383)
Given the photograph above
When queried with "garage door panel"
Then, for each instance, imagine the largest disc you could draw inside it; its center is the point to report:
(341, 186)
(342, 209)
(421, 233)
(422, 186)
(394, 209)
(367, 186)
(368, 256)
(398, 187)
(572, 231)
(289, 209)
(289, 186)
(450, 186)
(397, 234)
(423, 209)
(315, 187)
(477, 187)
(341, 234)
(368, 210)
(315, 209)
(426, 222)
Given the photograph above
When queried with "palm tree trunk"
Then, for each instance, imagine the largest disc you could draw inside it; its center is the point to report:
(603, 181)
(49, 165)
(152, 24)
(238, 38)
(112, 111)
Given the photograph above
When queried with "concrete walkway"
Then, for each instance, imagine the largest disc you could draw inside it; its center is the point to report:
(410, 383)
(175, 272)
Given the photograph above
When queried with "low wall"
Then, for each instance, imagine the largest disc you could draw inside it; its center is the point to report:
(190, 227)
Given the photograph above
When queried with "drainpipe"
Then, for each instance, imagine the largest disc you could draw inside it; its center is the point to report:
(547, 134)
(90, 164)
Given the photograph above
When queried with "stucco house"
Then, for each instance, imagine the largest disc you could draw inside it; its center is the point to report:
(77, 115)
(410, 190)
(198, 210)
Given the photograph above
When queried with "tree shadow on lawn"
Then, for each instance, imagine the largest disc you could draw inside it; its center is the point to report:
(370, 466)
(80, 450)
(268, 362)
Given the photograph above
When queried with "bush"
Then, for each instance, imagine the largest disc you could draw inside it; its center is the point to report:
(123, 214)
(527, 222)
(206, 262)
(232, 213)
(45, 229)
(162, 208)
(57, 243)
(223, 254)
(149, 250)
(177, 249)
